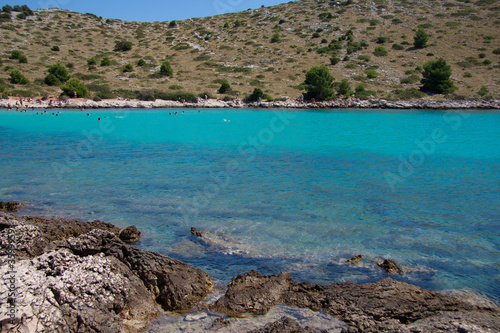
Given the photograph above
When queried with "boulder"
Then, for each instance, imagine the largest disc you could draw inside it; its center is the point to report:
(175, 285)
(355, 259)
(253, 294)
(62, 292)
(130, 235)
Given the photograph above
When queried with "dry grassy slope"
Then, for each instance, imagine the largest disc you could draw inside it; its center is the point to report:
(458, 28)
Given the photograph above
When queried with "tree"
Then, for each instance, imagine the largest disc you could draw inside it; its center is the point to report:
(344, 88)
(257, 95)
(123, 45)
(17, 78)
(18, 8)
(7, 9)
(319, 83)
(436, 77)
(224, 88)
(58, 73)
(75, 85)
(420, 39)
(172, 24)
(166, 69)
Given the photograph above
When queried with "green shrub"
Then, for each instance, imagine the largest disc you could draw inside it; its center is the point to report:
(344, 88)
(175, 87)
(362, 93)
(467, 74)
(57, 74)
(141, 62)
(413, 78)
(55, 48)
(380, 51)
(16, 54)
(75, 85)
(166, 69)
(398, 47)
(487, 62)
(123, 45)
(128, 68)
(105, 61)
(275, 38)
(17, 78)
(258, 95)
(483, 91)
(381, 40)
(172, 24)
(409, 94)
(315, 35)
(7, 9)
(203, 57)
(371, 74)
(224, 88)
(91, 61)
(23, 59)
(334, 60)
(496, 51)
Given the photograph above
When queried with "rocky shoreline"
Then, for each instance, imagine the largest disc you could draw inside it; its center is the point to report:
(74, 276)
(289, 104)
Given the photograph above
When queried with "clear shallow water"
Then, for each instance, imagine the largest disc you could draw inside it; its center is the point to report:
(296, 191)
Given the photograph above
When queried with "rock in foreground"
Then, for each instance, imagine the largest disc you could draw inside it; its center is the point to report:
(93, 282)
(384, 306)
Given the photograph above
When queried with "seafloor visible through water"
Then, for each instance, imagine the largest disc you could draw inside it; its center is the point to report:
(296, 191)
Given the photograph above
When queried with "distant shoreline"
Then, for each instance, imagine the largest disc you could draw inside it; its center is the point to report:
(287, 104)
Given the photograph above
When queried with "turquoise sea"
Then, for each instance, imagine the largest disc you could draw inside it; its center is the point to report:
(285, 190)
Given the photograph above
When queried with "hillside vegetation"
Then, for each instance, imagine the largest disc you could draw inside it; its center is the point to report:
(271, 48)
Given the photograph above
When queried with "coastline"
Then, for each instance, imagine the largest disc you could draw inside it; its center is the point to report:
(93, 278)
(492, 104)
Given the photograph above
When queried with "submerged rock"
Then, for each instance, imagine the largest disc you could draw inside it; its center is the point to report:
(10, 206)
(284, 325)
(355, 259)
(130, 235)
(196, 232)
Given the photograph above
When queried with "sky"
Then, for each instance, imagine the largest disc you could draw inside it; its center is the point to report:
(148, 10)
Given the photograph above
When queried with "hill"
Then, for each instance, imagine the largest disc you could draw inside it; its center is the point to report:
(268, 48)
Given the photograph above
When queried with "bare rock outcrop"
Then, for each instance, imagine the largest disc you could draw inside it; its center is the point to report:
(387, 305)
(93, 282)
